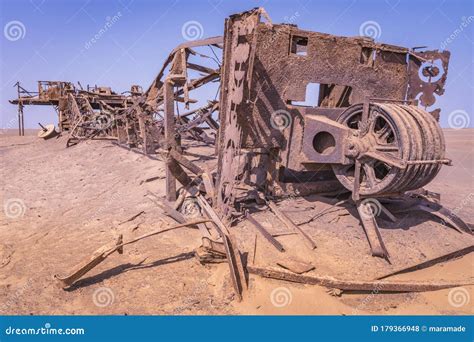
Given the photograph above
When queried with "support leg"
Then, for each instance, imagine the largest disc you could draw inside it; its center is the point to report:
(170, 140)
(372, 232)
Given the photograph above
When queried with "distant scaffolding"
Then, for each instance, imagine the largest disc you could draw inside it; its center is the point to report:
(56, 93)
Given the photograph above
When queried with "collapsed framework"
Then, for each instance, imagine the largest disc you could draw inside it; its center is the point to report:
(368, 134)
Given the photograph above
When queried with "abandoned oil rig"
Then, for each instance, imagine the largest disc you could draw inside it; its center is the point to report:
(368, 136)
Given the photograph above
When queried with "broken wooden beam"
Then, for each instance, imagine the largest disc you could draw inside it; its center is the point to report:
(169, 124)
(201, 68)
(168, 210)
(265, 233)
(132, 218)
(234, 259)
(428, 263)
(185, 162)
(371, 228)
(289, 223)
(209, 185)
(353, 285)
(103, 252)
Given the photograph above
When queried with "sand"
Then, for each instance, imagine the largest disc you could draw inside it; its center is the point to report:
(62, 204)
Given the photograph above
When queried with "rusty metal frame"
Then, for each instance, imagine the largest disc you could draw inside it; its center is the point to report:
(268, 143)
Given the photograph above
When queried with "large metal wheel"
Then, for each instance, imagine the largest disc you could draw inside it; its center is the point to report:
(395, 149)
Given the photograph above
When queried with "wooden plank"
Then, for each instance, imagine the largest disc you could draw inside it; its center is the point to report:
(287, 221)
(233, 255)
(350, 285)
(428, 263)
(176, 215)
(265, 233)
(185, 162)
(103, 252)
(201, 68)
(209, 185)
(372, 230)
(169, 125)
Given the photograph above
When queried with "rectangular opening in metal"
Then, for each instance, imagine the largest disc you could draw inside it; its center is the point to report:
(299, 45)
(325, 96)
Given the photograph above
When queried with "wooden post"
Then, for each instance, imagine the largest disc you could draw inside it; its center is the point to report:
(21, 122)
(141, 124)
(169, 139)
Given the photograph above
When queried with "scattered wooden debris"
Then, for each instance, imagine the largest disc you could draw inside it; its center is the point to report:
(431, 262)
(353, 285)
(167, 209)
(211, 251)
(371, 228)
(148, 119)
(254, 250)
(295, 266)
(289, 223)
(103, 252)
(176, 215)
(206, 256)
(131, 218)
(265, 233)
(233, 255)
(151, 179)
(215, 246)
(209, 185)
(324, 212)
(284, 234)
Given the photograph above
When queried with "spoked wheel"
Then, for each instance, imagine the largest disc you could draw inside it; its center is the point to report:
(388, 151)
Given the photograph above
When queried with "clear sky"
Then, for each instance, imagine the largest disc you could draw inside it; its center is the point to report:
(51, 39)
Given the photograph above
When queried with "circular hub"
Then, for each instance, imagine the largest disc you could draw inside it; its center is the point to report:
(385, 145)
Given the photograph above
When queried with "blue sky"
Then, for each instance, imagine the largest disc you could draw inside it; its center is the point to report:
(53, 42)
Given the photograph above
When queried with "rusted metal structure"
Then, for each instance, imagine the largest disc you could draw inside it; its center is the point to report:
(61, 95)
(368, 134)
(365, 112)
(366, 130)
(138, 119)
(153, 122)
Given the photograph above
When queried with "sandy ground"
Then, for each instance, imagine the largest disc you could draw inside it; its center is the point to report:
(62, 204)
